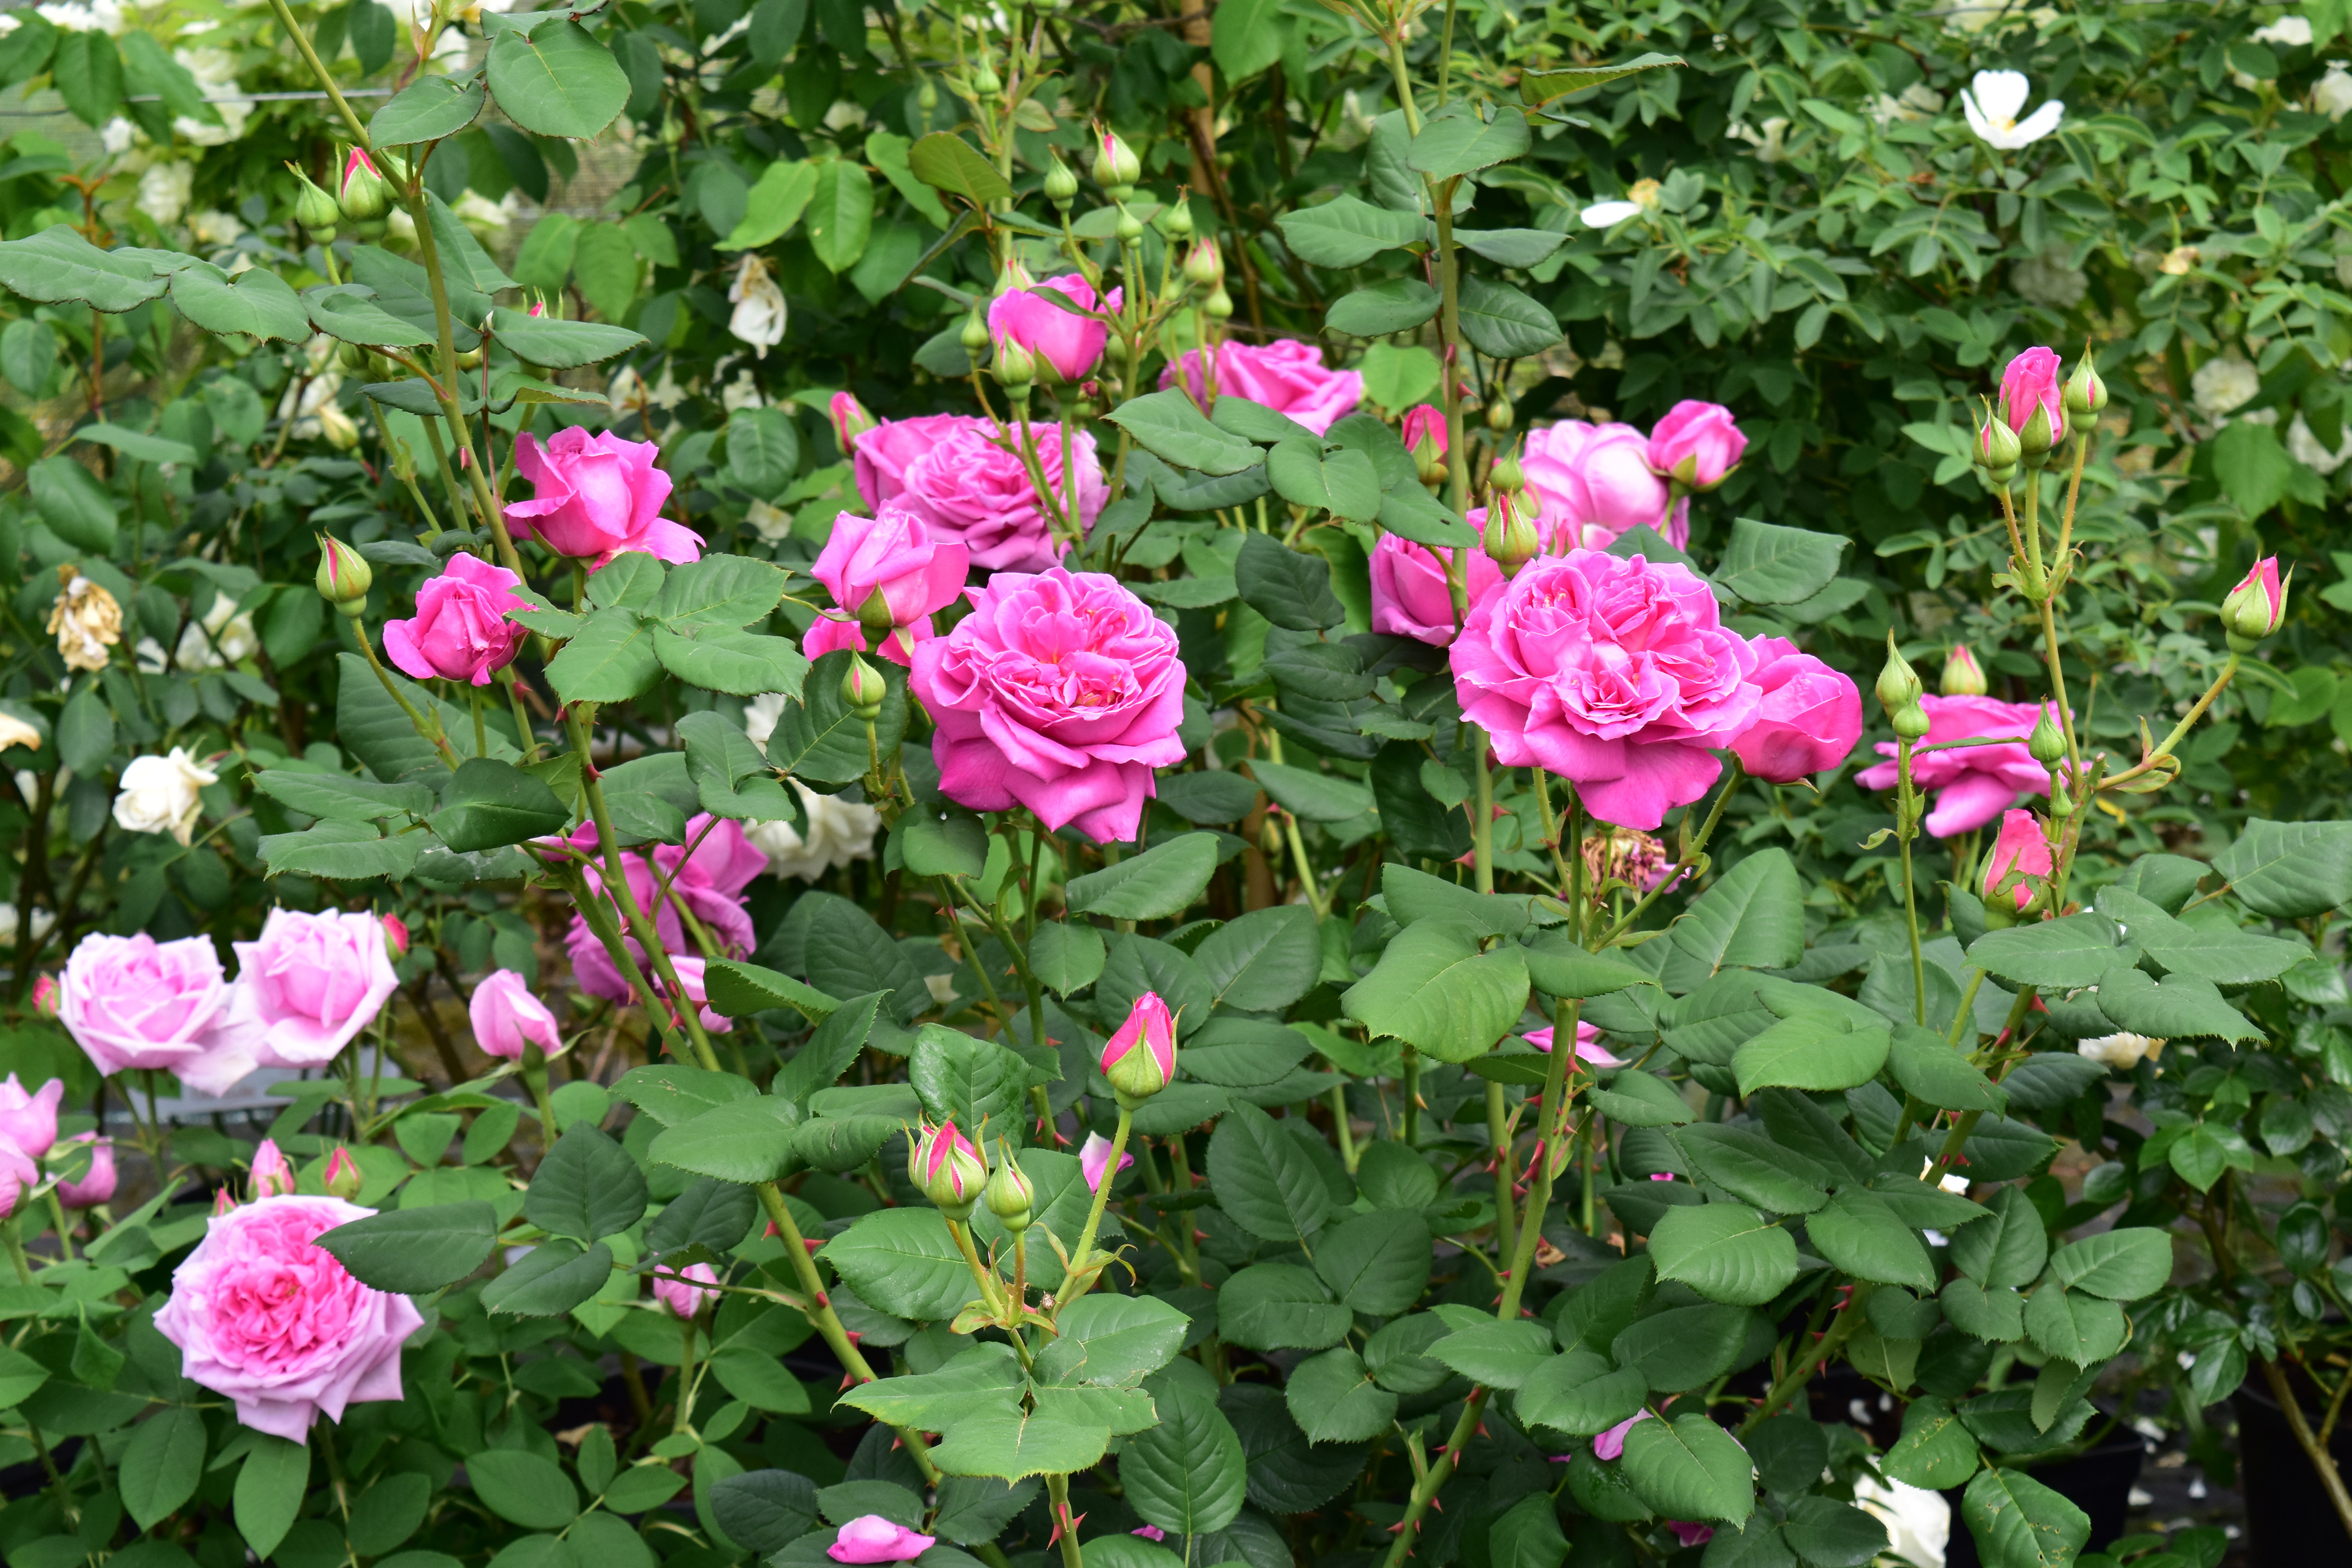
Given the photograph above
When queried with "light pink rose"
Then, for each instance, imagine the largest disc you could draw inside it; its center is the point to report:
(30, 1120)
(272, 1176)
(1808, 721)
(2029, 384)
(691, 980)
(277, 1325)
(1588, 1045)
(2021, 858)
(955, 473)
(870, 1538)
(1069, 344)
(1061, 692)
(1615, 674)
(684, 1300)
(1410, 595)
(506, 1017)
(709, 883)
(886, 567)
(1697, 444)
(1094, 1160)
(133, 1002)
(460, 631)
(1972, 785)
(1595, 481)
(95, 1186)
(1285, 376)
(1611, 1444)
(598, 497)
(303, 990)
(19, 1176)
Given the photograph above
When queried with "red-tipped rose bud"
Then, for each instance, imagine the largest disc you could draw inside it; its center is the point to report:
(344, 576)
(1140, 1059)
(396, 936)
(344, 1179)
(2017, 871)
(951, 1170)
(2257, 607)
(1963, 676)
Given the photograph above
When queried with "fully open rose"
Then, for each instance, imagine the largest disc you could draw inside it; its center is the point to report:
(961, 475)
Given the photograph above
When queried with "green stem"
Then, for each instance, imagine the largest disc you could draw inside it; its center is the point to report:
(429, 729)
(1482, 827)
(1411, 1097)
(534, 1077)
(1803, 1369)
(1057, 1493)
(1080, 1280)
(1435, 1476)
(1904, 831)
(1550, 1113)
(1498, 1140)
(1690, 857)
(15, 1243)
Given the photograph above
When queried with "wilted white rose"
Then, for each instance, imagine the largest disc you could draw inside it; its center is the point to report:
(2303, 447)
(742, 392)
(159, 795)
(2293, 32)
(2332, 94)
(2120, 1051)
(163, 192)
(15, 731)
(86, 621)
(2223, 383)
(2050, 280)
(759, 312)
(838, 832)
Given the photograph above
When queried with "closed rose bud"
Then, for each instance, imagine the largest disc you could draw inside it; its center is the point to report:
(1015, 368)
(1963, 676)
(1997, 450)
(1219, 305)
(1177, 222)
(951, 1170)
(344, 578)
(344, 1179)
(2017, 870)
(985, 81)
(1140, 1059)
(2046, 744)
(1129, 228)
(272, 1176)
(1499, 414)
(974, 337)
(1204, 267)
(1117, 168)
(2032, 403)
(2257, 607)
(1061, 184)
(224, 1201)
(96, 1184)
(862, 689)
(45, 995)
(396, 936)
(1899, 686)
(1911, 723)
(363, 194)
(2085, 394)
(314, 209)
(1010, 1194)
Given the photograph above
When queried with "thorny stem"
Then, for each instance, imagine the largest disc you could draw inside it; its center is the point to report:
(1805, 1367)
(1057, 1493)
(2314, 1449)
(1906, 830)
(1079, 1279)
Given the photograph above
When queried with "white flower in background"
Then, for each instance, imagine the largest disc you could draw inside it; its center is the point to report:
(759, 312)
(87, 622)
(159, 795)
(839, 831)
(337, 426)
(2332, 94)
(483, 216)
(73, 17)
(1771, 144)
(2304, 447)
(772, 523)
(116, 133)
(2294, 32)
(316, 395)
(1918, 104)
(222, 636)
(1971, 18)
(846, 114)
(742, 392)
(400, 226)
(216, 229)
(2121, 1051)
(1919, 1523)
(759, 716)
(163, 192)
(1993, 103)
(2222, 384)
(1609, 214)
(2050, 280)
(43, 923)
(15, 731)
(215, 73)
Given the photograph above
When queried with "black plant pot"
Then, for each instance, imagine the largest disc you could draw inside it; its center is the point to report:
(2098, 1481)
(2289, 1519)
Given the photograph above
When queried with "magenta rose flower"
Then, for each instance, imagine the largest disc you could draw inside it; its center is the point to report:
(1139, 1057)
(1061, 692)
(133, 1002)
(1588, 1045)
(1697, 444)
(2030, 386)
(19, 1176)
(684, 1300)
(506, 1017)
(709, 883)
(598, 497)
(460, 631)
(955, 473)
(1285, 376)
(1410, 595)
(694, 985)
(1972, 785)
(273, 1322)
(307, 987)
(94, 1186)
(885, 572)
(1094, 1160)
(30, 1120)
(1595, 481)
(1071, 345)
(1426, 422)
(1611, 1444)
(1617, 675)
(870, 1538)
(2020, 866)
(1808, 721)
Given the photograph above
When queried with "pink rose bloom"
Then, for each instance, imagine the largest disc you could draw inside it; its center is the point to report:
(885, 568)
(1617, 675)
(1596, 480)
(1691, 1534)
(272, 1176)
(133, 1002)
(1697, 444)
(2021, 848)
(952, 471)
(709, 883)
(870, 1538)
(2030, 384)
(1151, 1028)
(1809, 719)
(95, 1186)
(1972, 785)
(460, 631)
(1061, 692)
(598, 497)
(684, 1300)
(506, 1017)
(691, 980)
(19, 1176)
(1588, 1045)
(1410, 596)
(277, 1325)
(1094, 1160)
(30, 1120)
(1150, 1532)
(1069, 345)
(1426, 422)
(309, 984)
(1285, 376)
(1612, 1443)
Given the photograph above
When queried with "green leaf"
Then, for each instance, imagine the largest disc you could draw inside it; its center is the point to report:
(1112, 1340)
(2018, 1522)
(562, 345)
(21, 1376)
(1688, 1467)
(949, 163)
(1934, 1452)
(1860, 1233)
(430, 109)
(1537, 88)
(1279, 1306)
(2075, 1327)
(763, 452)
(1496, 1354)
(1065, 958)
(1454, 142)
(388, 1513)
(59, 265)
(1765, 564)
(2066, 953)
(1161, 883)
(1263, 1180)
(1412, 512)
(551, 1279)
(820, 737)
(1752, 918)
(710, 1214)
(1265, 961)
(1334, 1399)
(1185, 1474)
(1932, 1069)
(775, 203)
(1499, 320)
(610, 660)
(1813, 1051)
(87, 70)
(271, 1481)
(1580, 1393)
(488, 804)
(340, 851)
(1834, 1534)
(343, 799)
(1434, 989)
(744, 664)
(165, 1459)
(1760, 1170)
(2251, 466)
(138, 444)
(74, 504)
(586, 1188)
(840, 215)
(1171, 427)
(2218, 953)
(972, 1081)
(1014, 1447)
(257, 302)
(1560, 968)
(1632, 1098)
(417, 1251)
(2006, 1249)
(1288, 588)
(1676, 1350)
(1725, 1252)
(743, 1142)
(2289, 870)
(2181, 1005)
(1519, 248)
(1397, 305)
(1377, 1263)
(1306, 473)
(523, 1489)
(905, 1262)
(2124, 1265)
(952, 844)
(1245, 36)
(764, 1510)
(557, 81)
(1349, 232)
(739, 990)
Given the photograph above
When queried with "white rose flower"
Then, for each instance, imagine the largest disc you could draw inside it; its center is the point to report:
(1992, 102)
(759, 716)
(216, 229)
(163, 192)
(2223, 383)
(838, 832)
(2304, 447)
(1918, 104)
(2332, 94)
(742, 392)
(2121, 1052)
(116, 133)
(760, 311)
(1771, 143)
(159, 795)
(483, 216)
(1609, 214)
(85, 620)
(215, 73)
(772, 523)
(2294, 32)
(1918, 1522)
